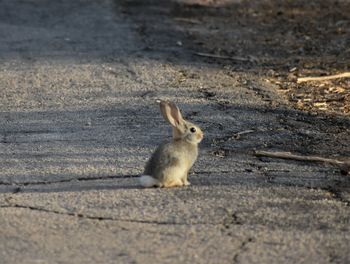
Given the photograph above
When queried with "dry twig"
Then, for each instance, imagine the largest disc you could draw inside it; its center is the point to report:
(188, 20)
(209, 55)
(343, 165)
(238, 134)
(324, 78)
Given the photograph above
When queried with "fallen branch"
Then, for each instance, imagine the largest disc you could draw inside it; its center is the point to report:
(209, 55)
(188, 20)
(335, 99)
(238, 134)
(343, 165)
(324, 78)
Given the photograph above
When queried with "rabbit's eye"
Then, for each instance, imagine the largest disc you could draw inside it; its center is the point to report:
(193, 129)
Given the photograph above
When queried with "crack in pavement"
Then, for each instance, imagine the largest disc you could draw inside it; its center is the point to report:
(243, 248)
(232, 219)
(80, 215)
(101, 218)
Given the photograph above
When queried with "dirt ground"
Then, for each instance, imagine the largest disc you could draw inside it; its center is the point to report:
(277, 40)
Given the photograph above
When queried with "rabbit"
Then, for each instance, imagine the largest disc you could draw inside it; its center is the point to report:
(170, 163)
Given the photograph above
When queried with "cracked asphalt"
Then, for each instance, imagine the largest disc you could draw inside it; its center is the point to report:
(79, 82)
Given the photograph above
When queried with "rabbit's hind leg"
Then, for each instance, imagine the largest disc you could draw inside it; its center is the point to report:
(172, 177)
(174, 183)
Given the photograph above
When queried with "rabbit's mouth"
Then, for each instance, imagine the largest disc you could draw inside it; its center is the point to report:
(194, 139)
(199, 137)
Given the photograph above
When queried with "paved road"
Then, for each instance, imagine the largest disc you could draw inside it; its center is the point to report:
(78, 120)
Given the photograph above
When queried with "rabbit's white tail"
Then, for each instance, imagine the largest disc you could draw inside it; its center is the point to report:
(148, 181)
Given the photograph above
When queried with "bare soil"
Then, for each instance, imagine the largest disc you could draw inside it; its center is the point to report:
(277, 40)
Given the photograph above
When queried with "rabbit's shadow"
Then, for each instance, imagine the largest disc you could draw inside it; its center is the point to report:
(74, 186)
(95, 185)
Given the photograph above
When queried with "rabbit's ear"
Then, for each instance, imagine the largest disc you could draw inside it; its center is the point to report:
(166, 112)
(172, 114)
(176, 114)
